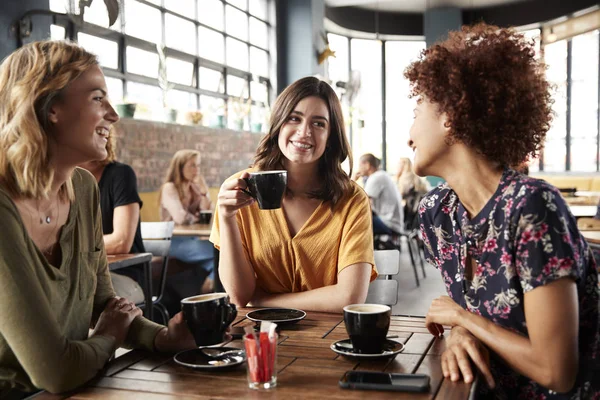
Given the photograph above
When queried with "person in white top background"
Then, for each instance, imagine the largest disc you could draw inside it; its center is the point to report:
(386, 202)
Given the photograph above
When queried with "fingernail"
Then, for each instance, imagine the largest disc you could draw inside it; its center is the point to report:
(468, 378)
(454, 377)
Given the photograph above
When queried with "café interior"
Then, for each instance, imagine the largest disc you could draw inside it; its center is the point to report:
(203, 75)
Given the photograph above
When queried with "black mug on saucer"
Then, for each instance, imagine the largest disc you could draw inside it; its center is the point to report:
(367, 325)
(267, 188)
(208, 316)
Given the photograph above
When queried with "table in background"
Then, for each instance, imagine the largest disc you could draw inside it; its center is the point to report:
(583, 211)
(307, 368)
(592, 237)
(119, 261)
(201, 231)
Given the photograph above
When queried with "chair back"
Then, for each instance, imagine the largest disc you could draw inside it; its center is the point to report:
(411, 210)
(387, 262)
(383, 292)
(157, 230)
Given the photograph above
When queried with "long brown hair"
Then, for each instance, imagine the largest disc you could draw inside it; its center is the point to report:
(336, 183)
(175, 171)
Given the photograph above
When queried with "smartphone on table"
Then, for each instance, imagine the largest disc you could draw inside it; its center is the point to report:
(368, 380)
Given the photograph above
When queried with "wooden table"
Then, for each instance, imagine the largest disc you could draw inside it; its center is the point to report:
(307, 368)
(119, 261)
(201, 231)
(592, 237)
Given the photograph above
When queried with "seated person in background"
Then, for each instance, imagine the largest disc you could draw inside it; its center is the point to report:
(55, 284)
(120, 205)
(316, 251)
(408, 182)
(522, 282)
(182, 197)
(386, 202)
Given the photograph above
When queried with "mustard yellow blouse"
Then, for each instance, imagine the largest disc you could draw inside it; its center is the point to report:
(329, 241)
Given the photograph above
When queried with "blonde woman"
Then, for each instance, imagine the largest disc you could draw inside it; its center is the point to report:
(54, 278)
(407, 181)
(182, 197)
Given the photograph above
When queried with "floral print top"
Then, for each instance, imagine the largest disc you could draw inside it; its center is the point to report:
(524, 237)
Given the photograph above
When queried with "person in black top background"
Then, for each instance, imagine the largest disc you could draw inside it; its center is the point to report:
(120, 205)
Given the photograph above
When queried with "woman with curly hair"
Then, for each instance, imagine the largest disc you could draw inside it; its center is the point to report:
(316, 251)
(522, 282)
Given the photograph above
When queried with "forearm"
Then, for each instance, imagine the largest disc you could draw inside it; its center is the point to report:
(235, 272)
(310, 300)
(515, 349)
(117, 244)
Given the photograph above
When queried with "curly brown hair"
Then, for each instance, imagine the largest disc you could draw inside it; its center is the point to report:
(493, 90)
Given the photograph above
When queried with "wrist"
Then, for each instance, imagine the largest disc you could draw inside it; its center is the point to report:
(161, 339)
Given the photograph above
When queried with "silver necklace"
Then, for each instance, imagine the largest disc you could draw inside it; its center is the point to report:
(45, 217)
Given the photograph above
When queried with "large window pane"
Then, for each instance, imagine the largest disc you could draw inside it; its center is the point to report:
(180, 34)
(106, 50)
(57, 32)
(182, 100)
(584, 102)
(211, 80)
(338, 66)
(399, 108)
(143, 21)
(236, 23)
(556, 58)
(213, 109)
(259, 62)
(179, 71)
(366, 123)
(259, 33)
(555, 155)
(183, 7)
(115, 90)
(210, 45)
(259, 8)
(144, 94)
(259, 91)
(60, 6)
(142, 62)
(243, 4)
(211, 13)
(237, 54)
(236, 86)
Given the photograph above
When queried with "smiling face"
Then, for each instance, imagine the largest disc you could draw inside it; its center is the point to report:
(428, 138)
(81, 118)
(190, 169)
(303, 137)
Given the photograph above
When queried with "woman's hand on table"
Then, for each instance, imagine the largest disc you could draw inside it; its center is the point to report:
(176, 336)
(116, 318)
(462, 348)
(443, 311)
(232, 197)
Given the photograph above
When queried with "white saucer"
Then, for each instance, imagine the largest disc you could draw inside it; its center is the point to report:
(344, 347)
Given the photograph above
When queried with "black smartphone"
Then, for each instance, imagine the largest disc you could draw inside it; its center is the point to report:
(384, 381)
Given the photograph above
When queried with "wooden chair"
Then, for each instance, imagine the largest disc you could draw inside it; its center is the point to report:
(157, 240)
(384, 290)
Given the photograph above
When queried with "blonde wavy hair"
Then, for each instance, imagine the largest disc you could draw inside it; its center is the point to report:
(31, 80)
(175, 172)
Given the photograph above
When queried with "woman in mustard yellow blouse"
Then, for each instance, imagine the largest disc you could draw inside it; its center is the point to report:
(316, 251)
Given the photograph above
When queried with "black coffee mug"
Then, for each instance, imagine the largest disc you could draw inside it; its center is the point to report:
(208, 316)
(205, 216)
(367, 325)
(267, 188)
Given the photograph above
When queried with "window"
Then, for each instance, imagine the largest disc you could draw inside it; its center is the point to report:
(209, 45)
(106, 50)
(399, 107)
(367, 104)
(555, 151)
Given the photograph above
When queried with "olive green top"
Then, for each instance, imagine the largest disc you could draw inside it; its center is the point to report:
(46, 311)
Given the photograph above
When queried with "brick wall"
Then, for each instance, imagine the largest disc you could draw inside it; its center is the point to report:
(149, 146)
